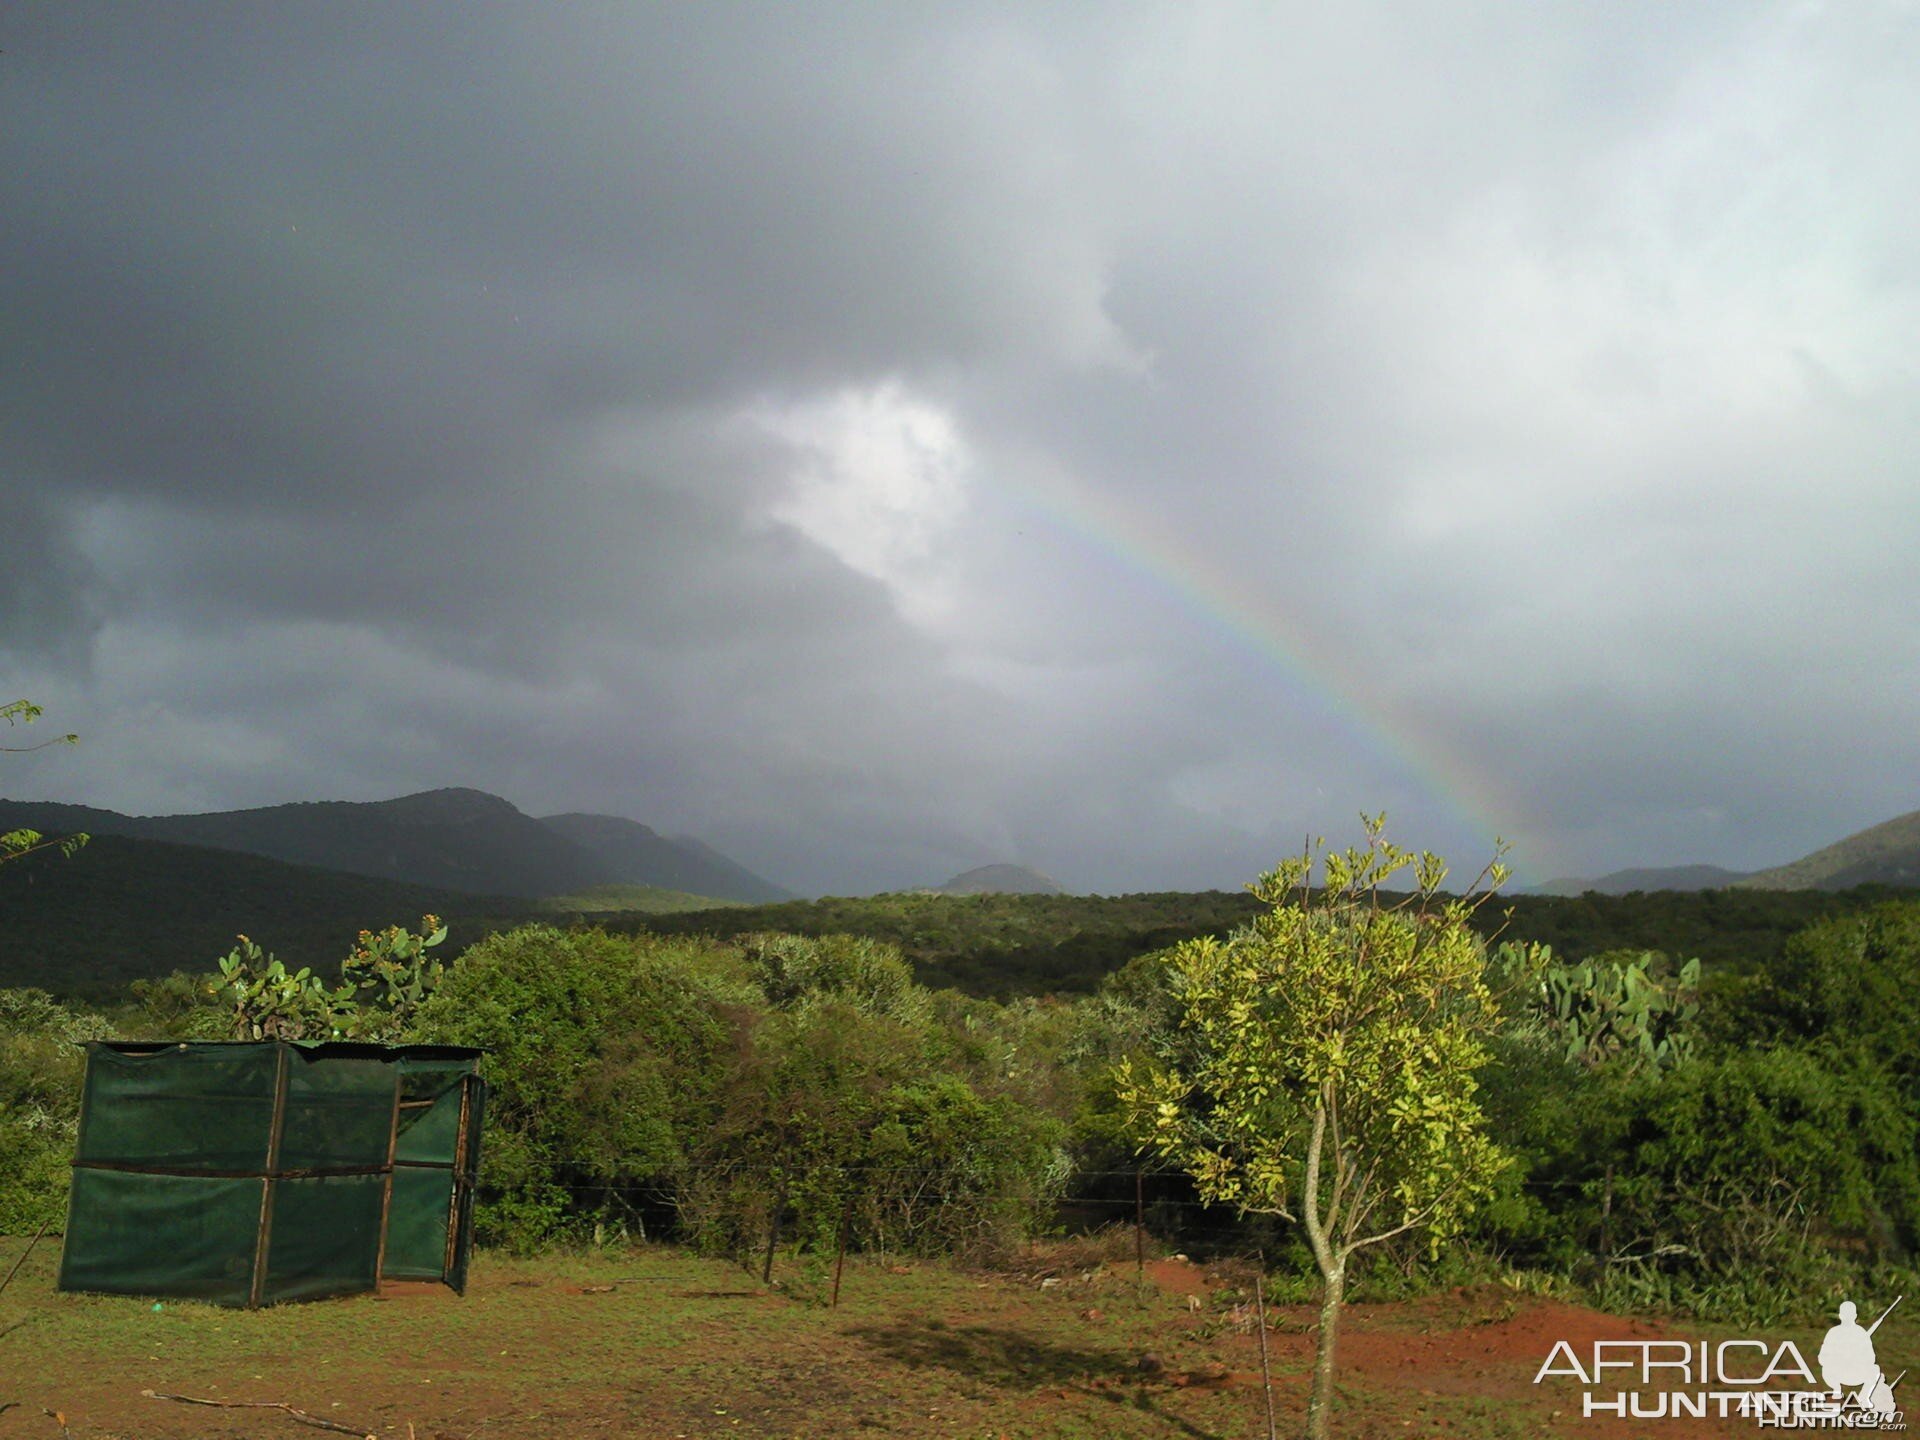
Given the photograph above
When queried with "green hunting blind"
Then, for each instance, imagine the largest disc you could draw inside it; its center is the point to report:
(252, 1172)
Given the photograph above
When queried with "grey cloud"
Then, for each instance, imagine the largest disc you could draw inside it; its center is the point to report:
(1496, 414)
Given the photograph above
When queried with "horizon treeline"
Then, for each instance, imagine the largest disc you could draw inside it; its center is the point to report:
(139, 910)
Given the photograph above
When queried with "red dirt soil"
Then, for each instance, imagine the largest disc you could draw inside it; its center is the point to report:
(1485, 1344)
(657, 1344)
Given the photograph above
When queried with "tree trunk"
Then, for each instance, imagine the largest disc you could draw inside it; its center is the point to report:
(1320, 1403)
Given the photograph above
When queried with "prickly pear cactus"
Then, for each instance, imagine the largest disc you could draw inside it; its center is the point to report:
(1635, 1007)
(265, 1000)
(383, 982)
(387, 978)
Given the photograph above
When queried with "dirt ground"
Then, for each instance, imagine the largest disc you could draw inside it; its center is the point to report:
(653, 1342)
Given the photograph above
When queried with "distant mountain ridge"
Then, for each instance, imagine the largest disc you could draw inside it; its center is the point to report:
(999, 880)
(1625, 882)
(456, 839)
(127, 908)
(1883, 854)
(682, 863)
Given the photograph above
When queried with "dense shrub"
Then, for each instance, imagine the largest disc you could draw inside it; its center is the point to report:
(1755, 1185)
(1750, 1186)
(41, 1065)
(798, 971)
(605, 1060)
(837, 1118)
(179, 1006)
(1851, 982)
(780, 1085)
(955, 1171)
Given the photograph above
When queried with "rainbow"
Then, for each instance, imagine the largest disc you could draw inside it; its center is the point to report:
(1219, 602)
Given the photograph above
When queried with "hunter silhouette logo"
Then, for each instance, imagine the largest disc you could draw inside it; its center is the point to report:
(1847, 1362)
(1768, 1382)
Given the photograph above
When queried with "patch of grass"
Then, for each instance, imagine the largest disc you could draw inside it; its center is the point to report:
(632, 900)
(657, 1342)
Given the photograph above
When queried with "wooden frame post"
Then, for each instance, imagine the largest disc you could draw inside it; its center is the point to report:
(276, 1128)
(386, 1188)
(452, 1250)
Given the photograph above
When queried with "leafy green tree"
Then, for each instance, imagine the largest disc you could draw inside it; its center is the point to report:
(1324, 1066)
(15, 844)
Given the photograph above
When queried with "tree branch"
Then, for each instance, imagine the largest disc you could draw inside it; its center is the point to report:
(1413, 1221)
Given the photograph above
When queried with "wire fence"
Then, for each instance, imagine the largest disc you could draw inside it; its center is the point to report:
(665, 1181)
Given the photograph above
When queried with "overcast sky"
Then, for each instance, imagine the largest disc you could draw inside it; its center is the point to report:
(882, 440)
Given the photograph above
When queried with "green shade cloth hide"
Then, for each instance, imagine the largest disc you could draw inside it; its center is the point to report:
(249, 1173)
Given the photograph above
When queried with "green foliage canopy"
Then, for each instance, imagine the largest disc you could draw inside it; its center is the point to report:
(41, 1063)
(1325, 1070)
(606, 1058)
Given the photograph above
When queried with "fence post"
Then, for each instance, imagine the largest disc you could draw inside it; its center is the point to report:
(840, 1257)
(773, 1234)
(1266, 1376)
(1139, 1226)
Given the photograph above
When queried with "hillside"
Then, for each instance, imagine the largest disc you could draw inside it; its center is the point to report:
(1625, 882)
(124, 909)
(638, 855)
(455, 839)
(446, 839)
(1884, 854)
(630, 900)
(1000, 880)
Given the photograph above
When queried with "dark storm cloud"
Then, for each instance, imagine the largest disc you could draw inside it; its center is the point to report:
(799, 427)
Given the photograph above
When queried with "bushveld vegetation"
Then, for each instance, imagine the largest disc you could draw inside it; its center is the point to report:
(140, 909)
(1736, 1138)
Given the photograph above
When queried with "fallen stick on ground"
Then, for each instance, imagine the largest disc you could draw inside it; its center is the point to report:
(36, 1240)
(302, 1416)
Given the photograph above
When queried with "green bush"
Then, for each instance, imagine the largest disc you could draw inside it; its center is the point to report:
(796, 971)
(955, 1172)
(41, 1068)
(1750, 1187)
(1851, 982)
(838, 1117)
(605, 1057)
(179, 1006)
(796, 1107)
